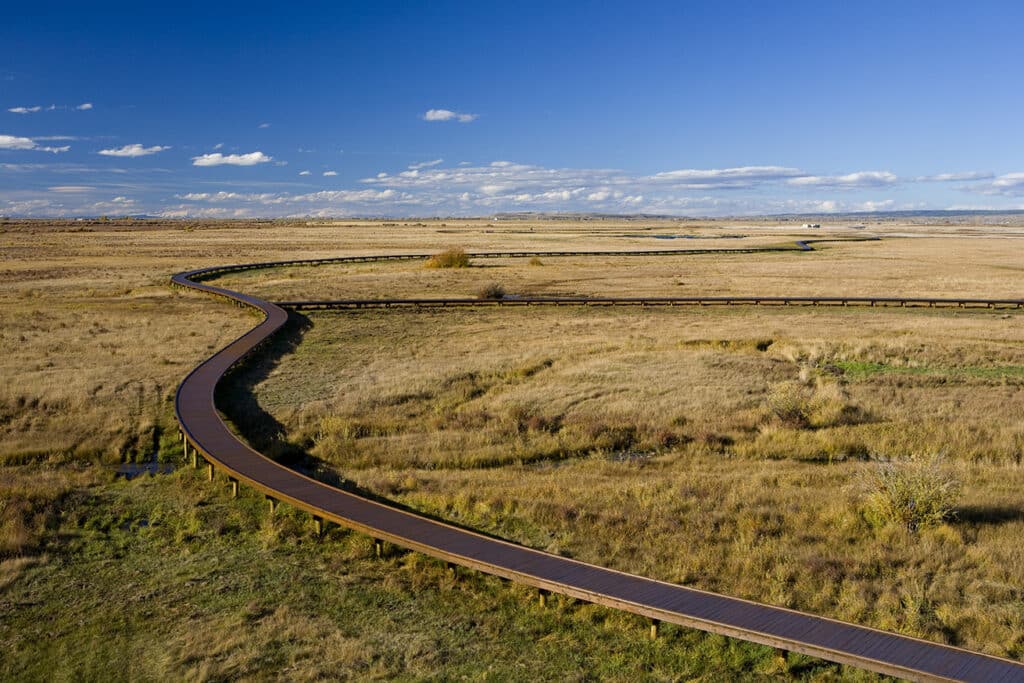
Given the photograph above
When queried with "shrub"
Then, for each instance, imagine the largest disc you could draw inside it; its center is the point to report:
(800, 405)
(491, 291)
(449, 258)
(535, 261)
(914, 495)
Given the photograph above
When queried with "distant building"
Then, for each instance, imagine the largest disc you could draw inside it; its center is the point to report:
(812, 225)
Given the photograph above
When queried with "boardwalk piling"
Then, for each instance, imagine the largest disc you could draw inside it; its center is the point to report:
(654, 629)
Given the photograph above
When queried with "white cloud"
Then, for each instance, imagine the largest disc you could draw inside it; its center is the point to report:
(742, 176)
(85, 106)
(330, 174)
(218, 146)
(1007, 185)
(304, 173)
(862, 179)
(74, 189)
(424, 164)
(12, 142)
(448, 115)
(950, 177)
(135, 150)
(18, 143)
(264, 125)
(218, 159)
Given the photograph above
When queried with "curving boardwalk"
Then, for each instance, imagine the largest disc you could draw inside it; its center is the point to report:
(867, 648)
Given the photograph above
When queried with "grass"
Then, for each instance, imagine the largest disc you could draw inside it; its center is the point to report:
(642, 440)
(864, 369)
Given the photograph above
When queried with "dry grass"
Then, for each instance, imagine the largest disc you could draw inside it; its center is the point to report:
(645, 440)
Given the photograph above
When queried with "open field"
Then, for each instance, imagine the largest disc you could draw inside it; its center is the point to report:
(643, 440)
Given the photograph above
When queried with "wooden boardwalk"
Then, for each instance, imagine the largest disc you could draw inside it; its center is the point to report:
(207, 437)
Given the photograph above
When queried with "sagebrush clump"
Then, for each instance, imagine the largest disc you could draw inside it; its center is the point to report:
(492, 291)
(804, 405)
(914, 495)
(449, 258)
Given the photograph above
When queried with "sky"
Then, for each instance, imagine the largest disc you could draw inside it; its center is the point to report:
(465, 109)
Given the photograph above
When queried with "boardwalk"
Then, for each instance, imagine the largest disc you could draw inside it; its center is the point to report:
(207, 437)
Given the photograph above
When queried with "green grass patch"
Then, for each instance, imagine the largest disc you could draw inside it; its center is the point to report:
(855, 369)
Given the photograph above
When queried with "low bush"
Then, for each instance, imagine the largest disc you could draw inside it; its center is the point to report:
(914, 495)
(801, 405)
(449, 258)
(491, 291)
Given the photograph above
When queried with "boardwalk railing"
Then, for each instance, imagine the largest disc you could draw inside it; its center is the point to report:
(207, 437)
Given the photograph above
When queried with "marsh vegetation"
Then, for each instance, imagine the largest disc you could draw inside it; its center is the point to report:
(765, 453)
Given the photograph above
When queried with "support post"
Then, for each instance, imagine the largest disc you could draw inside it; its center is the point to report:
(654, 629)
(451, 571)
(378, 548)
(273, 504)
(542, 597)
(318, 525)
(209, 471)
(234, 488)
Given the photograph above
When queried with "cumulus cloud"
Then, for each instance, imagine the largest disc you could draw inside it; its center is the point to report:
(862, 179)
(218, 159)
(84, 106)
(448, 115)
(25, 110)
(330, 174)
(132, 151)
(13, 142)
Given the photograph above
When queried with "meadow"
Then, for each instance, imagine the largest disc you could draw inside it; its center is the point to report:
(732, 449)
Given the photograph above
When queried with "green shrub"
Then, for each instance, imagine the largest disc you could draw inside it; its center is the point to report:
(449, 258)
(913, 495)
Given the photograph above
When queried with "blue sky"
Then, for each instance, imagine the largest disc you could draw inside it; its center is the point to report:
(441, 108)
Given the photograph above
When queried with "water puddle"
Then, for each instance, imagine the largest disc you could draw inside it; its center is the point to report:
(130, 470)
